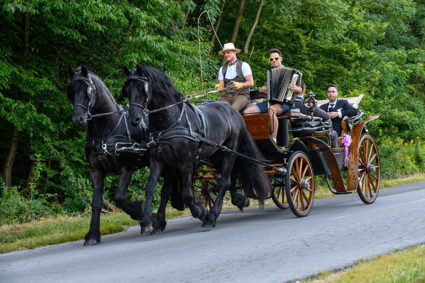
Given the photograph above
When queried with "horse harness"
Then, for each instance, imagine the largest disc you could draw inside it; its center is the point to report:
(176, 130)
(115, 143)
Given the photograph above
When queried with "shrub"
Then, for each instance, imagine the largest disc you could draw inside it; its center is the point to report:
(401, 157)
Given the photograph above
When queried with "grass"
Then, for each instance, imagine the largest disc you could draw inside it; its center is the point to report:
(63, 229)
(401, 266)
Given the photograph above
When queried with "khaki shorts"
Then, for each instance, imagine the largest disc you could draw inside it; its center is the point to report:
(237, 100)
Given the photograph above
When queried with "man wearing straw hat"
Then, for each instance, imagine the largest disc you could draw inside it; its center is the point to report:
(235, 77)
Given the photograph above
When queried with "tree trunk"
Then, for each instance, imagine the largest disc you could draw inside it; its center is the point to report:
(10, 159)
(7, 171)
(251, 32)
(217, 24)
(238, 20)
(417, 77)
(46, 183)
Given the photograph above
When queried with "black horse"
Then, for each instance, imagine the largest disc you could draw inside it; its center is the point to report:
(95, 108)
(184, 134)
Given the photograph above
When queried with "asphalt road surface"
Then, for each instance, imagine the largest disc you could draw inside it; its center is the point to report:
(269, 245)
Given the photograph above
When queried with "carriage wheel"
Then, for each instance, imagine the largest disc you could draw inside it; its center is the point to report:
(300, 184)
(369, 170)
(205, 188)
(279, 197)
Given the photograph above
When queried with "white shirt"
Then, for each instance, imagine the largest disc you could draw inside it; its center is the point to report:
(231, 71)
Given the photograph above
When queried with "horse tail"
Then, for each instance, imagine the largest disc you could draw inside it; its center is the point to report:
(251, 173)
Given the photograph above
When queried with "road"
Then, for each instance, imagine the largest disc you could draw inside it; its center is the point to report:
(269, 245)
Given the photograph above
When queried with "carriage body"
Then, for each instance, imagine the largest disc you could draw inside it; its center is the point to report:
(303, 151)
(303, 147)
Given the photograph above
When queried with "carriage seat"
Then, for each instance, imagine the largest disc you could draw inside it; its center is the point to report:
(354, 101)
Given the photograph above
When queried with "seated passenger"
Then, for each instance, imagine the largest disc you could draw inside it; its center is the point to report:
(276, 108)
(235, 77)
(337, 108)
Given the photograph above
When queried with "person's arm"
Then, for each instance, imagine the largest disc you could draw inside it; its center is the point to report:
(247, 74)
(220, 84)
(321, 113)
(249, 83)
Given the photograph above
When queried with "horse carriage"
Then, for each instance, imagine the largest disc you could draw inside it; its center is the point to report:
(303, 151)
(201, 151)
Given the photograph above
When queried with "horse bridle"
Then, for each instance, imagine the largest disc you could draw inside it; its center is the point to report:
(91, 94)
(145, 105)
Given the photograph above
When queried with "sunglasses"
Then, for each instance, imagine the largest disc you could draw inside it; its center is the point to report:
(274, 59)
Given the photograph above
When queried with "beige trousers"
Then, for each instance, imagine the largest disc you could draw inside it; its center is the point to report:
(238, 101)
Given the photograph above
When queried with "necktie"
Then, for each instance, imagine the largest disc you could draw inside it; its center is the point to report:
(331, 107)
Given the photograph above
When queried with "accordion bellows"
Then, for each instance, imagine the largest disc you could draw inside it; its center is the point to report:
(278, 82)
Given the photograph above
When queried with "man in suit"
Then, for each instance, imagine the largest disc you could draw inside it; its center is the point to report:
(337, 108)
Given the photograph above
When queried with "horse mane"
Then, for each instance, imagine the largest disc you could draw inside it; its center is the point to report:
(160, 82)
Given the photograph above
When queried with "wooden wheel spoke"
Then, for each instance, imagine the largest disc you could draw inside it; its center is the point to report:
(372, 159)
(370, 150)
(372, 183)
(307, 199)
(363, 182)
(282, 195)
(304, 171)
(302, 200)
(297, 168)
(295, 197)
(292, 189)
(374, 176)
(362, 177)
(301, 167)
(293, 179)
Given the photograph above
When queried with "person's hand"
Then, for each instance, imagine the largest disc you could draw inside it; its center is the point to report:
(237, 85)
(295, 88)
(217, 87)
(333, 115)
(263, 89)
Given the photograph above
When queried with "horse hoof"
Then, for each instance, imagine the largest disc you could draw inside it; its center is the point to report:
(147, 230)
(162, 226)
(209, 223)
(208, 226)
(91, 242)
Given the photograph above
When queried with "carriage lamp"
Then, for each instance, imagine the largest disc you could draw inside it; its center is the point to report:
(310, 101)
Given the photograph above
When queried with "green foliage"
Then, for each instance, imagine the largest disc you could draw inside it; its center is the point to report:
(370, 47)
(401, 157)
(14, 208)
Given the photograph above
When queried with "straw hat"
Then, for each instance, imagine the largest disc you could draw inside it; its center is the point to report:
(229, 47)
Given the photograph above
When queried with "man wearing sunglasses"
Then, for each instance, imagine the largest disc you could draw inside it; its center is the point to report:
(276, 108)
(235, 77)
(337, 108)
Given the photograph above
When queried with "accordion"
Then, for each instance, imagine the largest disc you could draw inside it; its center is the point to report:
(278, 82)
